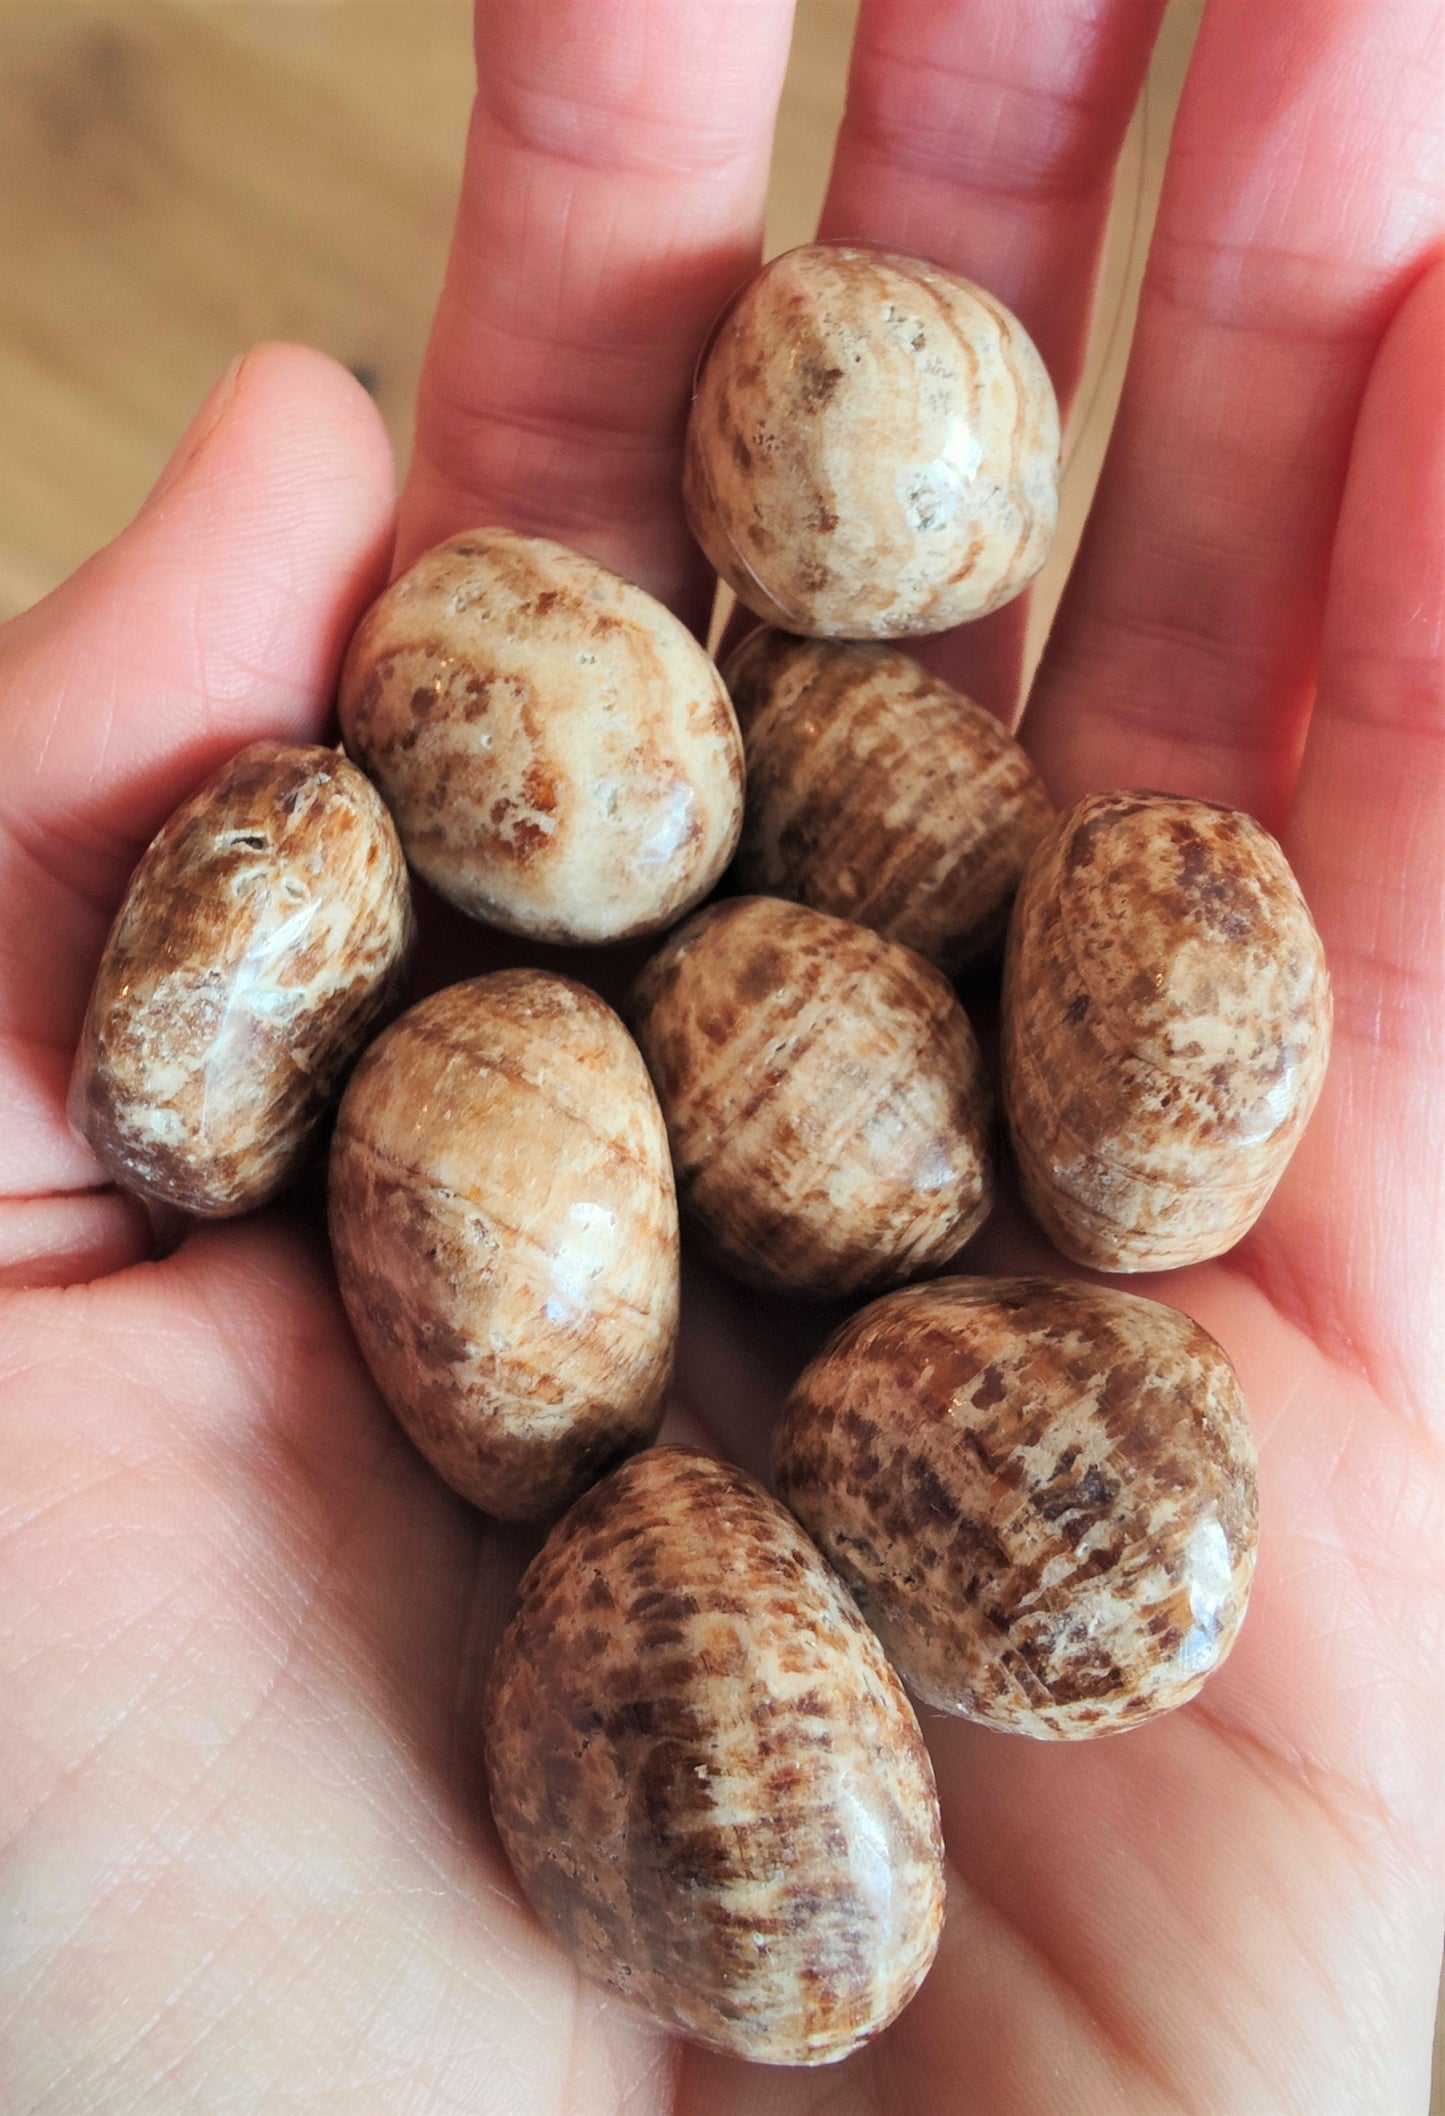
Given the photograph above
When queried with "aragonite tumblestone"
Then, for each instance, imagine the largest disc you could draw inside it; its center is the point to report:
(1042, 1496)
(505, 1233)
(557, 749)
(829, 1115)
(264, 933)
(1166, 1028)
(707, 1778)
(878, 792)
(873, 450)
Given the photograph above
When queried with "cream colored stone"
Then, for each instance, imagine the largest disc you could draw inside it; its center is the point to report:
(706, 1775)
(881, 794)
(829, 1114)
(1041, 1496)
(557, 749)
(264, 934)
(504, 1226)
(873, 450)
(1166, 1027)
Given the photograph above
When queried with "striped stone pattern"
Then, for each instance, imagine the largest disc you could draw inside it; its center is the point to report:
(504, 1226)
(878, 792)
(1166, 1028)
(557, 749)
(265, 932)
(829, 1116)
(1041, 1495)
(708, 1780)
(873, 450)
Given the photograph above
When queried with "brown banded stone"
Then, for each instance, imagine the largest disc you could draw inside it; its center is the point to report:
(878, 792)
(873, 450)
(826, 1104)
(1041, 1495)
(1166, 1027)
(265, 931)
(505, 1233)
(706, 1776)
(557, 749)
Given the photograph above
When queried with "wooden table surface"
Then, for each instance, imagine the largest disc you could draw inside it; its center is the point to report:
(179, 178)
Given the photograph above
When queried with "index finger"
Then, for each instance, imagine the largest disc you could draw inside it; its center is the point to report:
(612, 201)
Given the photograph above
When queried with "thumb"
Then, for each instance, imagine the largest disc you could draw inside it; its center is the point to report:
(218, 615)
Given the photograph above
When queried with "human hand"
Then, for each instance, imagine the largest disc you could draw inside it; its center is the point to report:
(247, 1863)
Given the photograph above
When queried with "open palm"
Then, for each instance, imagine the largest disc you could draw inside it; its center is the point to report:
(245, 1861)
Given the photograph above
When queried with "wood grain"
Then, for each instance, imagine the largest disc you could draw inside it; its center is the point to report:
(177, 182)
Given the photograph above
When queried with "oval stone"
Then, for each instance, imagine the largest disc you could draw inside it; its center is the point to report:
(705, 1774)
(1042, 1496)
(264, 933)
(505, 1233)
(557, 749)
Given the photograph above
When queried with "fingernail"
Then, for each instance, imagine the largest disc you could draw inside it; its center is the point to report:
(212, 411)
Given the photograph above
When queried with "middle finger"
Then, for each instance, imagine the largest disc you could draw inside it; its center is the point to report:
(985, 137)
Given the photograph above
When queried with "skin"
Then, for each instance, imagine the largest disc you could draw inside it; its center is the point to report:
(246, 1863)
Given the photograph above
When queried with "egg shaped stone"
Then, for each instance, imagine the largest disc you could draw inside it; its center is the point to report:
(826, 1103)
(1166, 1027)
(557, 749)
(878, 792)
(708, 1780)
(504, 1227)
(265, 931)
(873, 450)
(1041, 1495)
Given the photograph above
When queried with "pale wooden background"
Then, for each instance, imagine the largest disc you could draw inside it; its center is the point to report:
(179, 178)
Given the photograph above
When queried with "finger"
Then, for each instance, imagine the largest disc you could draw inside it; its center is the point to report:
(1354, 1242)
(62, 1241)
(612, 202)
(1303, 192)
(986, 137)
(220, 614)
